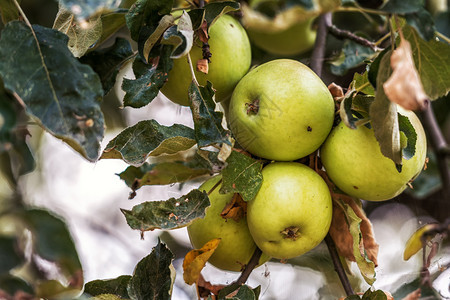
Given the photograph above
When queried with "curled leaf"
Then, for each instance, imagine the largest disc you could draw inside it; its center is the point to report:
(195, 260)
(236, 209)
(414, 243)
(404, 86)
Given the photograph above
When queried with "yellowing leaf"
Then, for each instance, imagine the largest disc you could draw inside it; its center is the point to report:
(404, 86)
(414, 243)
(195, 260)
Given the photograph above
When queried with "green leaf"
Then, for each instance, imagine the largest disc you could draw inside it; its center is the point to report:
(374, 66)
(355, 108)
(144, 16)
(207, 122)
(423, 22)
(10, 257)
(111, 23)
(52, 241)
(242, 175)
(366, 267)
(148, 138)
(60, 93)
(244, 293)
(107, 62)
(149, 77)
(353, 297)
(84, 9)
(166, 172)
(81, 36)
(407, 130)
(354, 55)
(402, 7)
(154, 275)
(431, 63)
(169, 214)
(117, 286)
(214, 10)
(427, 183)
(375, 295)
(180, 36)
(384, 117)
(165, 22)
(362, 84)
(12, 284)
(8, 11)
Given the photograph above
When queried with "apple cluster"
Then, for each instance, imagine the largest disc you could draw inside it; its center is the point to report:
(281, 111)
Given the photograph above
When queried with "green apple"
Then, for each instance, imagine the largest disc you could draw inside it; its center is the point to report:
(281, 110)
(354, 162)
(292, 212)
(236, 246)
(294, 40)
(230, 61)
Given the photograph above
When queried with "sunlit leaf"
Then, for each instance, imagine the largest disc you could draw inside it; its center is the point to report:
(362, 84)
(10, 256)
(431, 63)
(117, 286)
(207, 122)
(354, 109)
(168, 214)
(53, 289)
(148, 138)
(8, 11)
(414, 243)
(384, 119)
(149, 77)
(68, 109)
(242, 175)
(195, 260)
(154, 275)
(107, 62)
(81, 36)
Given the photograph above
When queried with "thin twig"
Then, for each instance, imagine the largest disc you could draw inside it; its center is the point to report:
(439, 146)
(253, 262)
(316, 64)
(191, 67)
(338, 265)
(345, 34)
(318, 54)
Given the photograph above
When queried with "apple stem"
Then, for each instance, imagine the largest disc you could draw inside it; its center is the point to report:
(253, 262)
(338, 265)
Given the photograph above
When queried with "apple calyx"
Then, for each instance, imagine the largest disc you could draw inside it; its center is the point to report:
(252, 107)
(291, 232)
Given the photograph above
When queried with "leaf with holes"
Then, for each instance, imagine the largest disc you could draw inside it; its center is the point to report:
(242, 175)
(59, 92)
(169, 214)
(148, 138)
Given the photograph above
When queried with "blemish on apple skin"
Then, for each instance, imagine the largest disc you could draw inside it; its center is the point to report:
(309, 129)
(253, 107)
(355, 187)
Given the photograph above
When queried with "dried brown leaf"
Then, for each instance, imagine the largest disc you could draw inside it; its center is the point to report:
(340, 233)
(202, 32)
(205, 288)
(203, 65)
(195, 261)
(336, 90)
(404, 86)
(236, 209)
